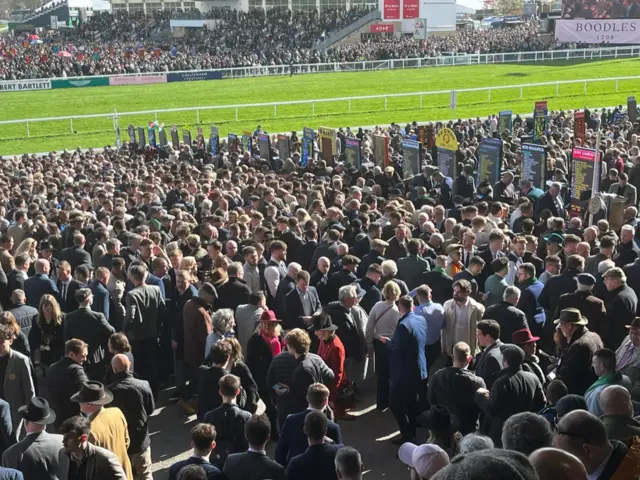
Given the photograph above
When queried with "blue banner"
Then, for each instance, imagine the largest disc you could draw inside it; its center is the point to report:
(193, 76)
(307, 146)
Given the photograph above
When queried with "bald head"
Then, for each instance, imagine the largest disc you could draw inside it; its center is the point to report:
(552, 464)
(42, 266)
(616, 400)
(120, 363)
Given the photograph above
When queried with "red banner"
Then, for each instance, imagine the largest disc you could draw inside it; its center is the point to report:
(391, 10)
(382, 28)
(410, 10)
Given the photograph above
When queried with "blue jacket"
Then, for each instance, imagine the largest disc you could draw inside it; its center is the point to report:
(37, 286)
(408, 362)
(316, 463)
(212, 472)
(293, 440)
(100, 298)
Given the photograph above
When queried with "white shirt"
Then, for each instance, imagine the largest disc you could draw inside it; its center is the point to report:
(272, 277)
(598, 471)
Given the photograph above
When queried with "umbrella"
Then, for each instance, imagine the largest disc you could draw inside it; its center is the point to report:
(64, 54)
(34, 37)
(36, 42)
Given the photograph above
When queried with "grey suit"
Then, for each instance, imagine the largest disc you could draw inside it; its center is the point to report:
(101, 464)
(18, 385)
(36, 456)
(630, 193)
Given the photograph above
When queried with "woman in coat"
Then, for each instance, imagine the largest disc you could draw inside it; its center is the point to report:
(46, 337)
(240, 369)
(262, 347)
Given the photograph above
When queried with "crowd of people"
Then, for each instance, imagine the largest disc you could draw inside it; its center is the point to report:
(123, 42)
(489, 316)
(600, 9)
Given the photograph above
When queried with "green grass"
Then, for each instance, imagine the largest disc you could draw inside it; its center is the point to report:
(98, 132)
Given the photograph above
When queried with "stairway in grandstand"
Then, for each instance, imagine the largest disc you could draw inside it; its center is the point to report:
(350, 31)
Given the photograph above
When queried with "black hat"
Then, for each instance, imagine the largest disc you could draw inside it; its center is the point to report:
(37, 411)
(586, 279)
(45, 245)
(569, 403)
(94, 393)
(322, 322)
(439, 419)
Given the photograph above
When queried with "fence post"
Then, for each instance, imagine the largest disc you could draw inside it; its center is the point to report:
(585, 87)
(385, 103)
(275, 111)
(313, 108)
(557, 89)
(520, 93)
(420, 101)
(236, 114)
(489, 90)
(616, 78)
(349, 105)
(71, 125)
(28, 133)
(197, 117)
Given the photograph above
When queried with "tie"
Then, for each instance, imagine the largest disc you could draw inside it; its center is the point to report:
(63, 293)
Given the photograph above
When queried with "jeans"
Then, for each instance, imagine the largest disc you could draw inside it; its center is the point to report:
(404, 407)
(141, 465)
(382, 372)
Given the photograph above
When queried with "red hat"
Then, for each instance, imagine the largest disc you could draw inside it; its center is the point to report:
(269, 316)
(523, 336)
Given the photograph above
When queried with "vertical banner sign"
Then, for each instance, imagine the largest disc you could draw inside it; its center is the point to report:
(327, 143)
(632, 109)
(447, 145)
(489, 160)
(142, 142)
(352, 152)
(264, 146)
(534, 164)
(131, 130)
(411, 157)
(539, 120)
(419, 28)
(381, 150)
(307, 146)
(214, 138)
(186, 137)
(505, 121)
(410, 9)
(284, 150)
(391, 10)
(232, 139)
(200, 139)
(174, 137)
(584, 160)
(246, 141)
(580, 127)
(152, 137)
(163, 138)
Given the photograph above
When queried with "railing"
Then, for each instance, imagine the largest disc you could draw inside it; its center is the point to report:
(115, 116)
(348, 30)
(398, 64)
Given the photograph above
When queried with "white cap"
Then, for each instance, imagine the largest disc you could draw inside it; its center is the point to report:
(426, 459)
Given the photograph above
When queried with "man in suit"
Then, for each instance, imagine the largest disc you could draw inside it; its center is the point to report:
(293, 440)
(254, 464)
(15, 372)
(329, 248)
(411, 266)
(621, 306)
(496, 241)
(287, 285)
(552, 201)
(318, 460)
(461, 315)
(374, 255)
(398, 244)
(100, 293)
(64, 376)
(93, 329)
(510, 318)
(346, 276)
(624, 189)
(369, 285)
(146, 311)
(203, 442)
(76, 255)
(108, 425)
(36, 455)
(24, 314)
(607, 249)
(135, 399)
(438, 281)
(301, 303)
(67, 286)
(584, 300)
(40, 284)
(307, 250)
(488, 363)
(363, 246)
(235, 291)
(408, 368)
(16, 278)
(98, 462)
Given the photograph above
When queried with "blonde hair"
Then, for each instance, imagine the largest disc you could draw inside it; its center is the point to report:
(391, 291)
(56, 316)
(190, 265)
(25, 246)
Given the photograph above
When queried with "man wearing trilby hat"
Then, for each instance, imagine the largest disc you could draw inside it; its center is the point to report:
(628, 357)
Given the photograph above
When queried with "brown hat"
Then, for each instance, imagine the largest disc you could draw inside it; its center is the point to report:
(571, 315)
(350, 260)
(218, 277)
(94, 393)
(635, 323)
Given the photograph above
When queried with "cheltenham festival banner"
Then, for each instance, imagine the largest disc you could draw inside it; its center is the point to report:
(621, 30)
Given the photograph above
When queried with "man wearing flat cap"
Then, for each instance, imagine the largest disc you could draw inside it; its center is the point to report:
(584, 300)
(574, 367)
(628, 358)
(36, 455)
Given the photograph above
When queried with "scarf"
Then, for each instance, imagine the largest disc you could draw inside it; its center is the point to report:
(456, 267)
(611, 379)
(273, 342)
(529, 282)
(438, 269)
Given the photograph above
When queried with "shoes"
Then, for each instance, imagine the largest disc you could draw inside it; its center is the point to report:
(187, 406)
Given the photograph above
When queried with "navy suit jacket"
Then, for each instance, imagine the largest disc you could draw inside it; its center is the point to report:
(38, 285)
(212, 472)
(293, 440)
(316, 463)
(151, 280)
(100, 298)
(408, 362)
(295, 310)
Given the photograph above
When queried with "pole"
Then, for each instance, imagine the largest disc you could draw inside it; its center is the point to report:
(596, 167)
